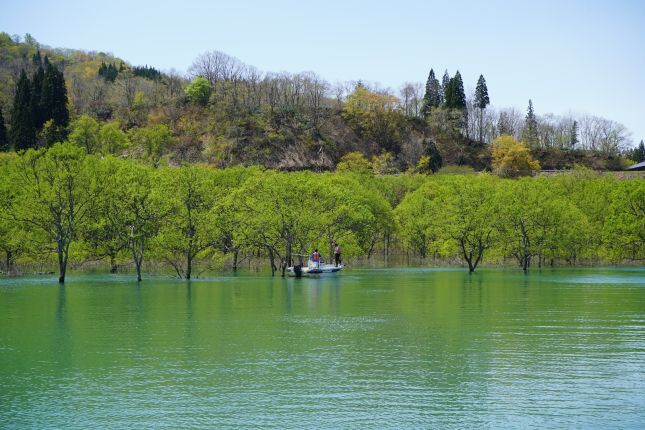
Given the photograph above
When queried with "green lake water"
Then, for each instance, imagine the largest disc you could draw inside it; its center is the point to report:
(402, 348)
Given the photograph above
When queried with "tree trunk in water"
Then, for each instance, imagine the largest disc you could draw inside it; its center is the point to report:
(525, 263)
(138, 266)
(235, 254)
(62, 261)
(272, 261)
(9, 262)
(113, 267)
(189, 265)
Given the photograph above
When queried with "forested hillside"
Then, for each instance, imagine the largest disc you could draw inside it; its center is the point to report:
(227, 113)
(104, 162)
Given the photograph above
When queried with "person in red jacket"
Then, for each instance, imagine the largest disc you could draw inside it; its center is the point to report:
(315, 257)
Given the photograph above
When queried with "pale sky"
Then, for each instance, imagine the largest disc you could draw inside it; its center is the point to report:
(567, 56)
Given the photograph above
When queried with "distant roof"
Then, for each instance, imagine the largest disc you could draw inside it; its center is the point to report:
(638, 166)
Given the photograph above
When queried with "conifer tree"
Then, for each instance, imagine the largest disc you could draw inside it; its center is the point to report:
(455, 94)
(54, 97)
(574, 135)
(445, 81)
(22, 134)
(4, 141)
(530, 132)
(37, 113)
(481, 101)
(36, 59)
(432, 97)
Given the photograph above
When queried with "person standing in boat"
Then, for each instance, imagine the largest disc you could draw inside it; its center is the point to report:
(315, 257)
(337, 261)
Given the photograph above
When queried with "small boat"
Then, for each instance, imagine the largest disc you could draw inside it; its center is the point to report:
(313, 269)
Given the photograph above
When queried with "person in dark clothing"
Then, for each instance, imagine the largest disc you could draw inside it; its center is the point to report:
(337, 261)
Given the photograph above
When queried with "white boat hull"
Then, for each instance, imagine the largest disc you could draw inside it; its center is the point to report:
(311, 270)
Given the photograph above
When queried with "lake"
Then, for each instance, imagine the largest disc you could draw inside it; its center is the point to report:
(377, 348)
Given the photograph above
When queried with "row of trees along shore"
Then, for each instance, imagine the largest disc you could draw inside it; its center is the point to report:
(227, 113)
(63, 206)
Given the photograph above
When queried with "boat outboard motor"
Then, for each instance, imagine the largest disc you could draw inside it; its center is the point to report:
(297, 269)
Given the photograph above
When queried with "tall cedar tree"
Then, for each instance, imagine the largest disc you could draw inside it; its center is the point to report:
(481, 101)
(54, 96)
(36, 59)
(455, 95)
(574, 135)
(444, 85)
(530, 132)
(37, 112)
(23, 133)
(4, 141)
(432, 97)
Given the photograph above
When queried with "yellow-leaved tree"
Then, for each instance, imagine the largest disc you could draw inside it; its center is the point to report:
(512, 158)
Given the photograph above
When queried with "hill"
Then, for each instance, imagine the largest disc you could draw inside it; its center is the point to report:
(227, 113)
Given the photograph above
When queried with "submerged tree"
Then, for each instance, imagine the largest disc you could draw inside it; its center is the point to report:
(56, 191)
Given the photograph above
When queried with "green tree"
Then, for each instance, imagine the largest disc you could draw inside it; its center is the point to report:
(445, 82)
(417, 219)
(85, 133)
(22, 134)
(55, 193)
(135, 211)
(13, 239)
(624, 230)
(469, 215)
(432, 97)
(54, 95)
(38, 115)
(530, 131)
(573, 141)
(190, 230)
(113, 140)
(199, 90)
(481, 101)
(354, 162)
(533, 218)
(455, 95)
(152, 142)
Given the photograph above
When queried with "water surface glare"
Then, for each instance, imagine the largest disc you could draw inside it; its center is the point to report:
(404, 348)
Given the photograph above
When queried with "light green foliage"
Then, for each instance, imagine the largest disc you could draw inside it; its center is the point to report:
(624, 231)
(189, 230)
(417, 220)
(289, 214)
(85, 133)
(55, 191)
(535, 221)
(354, 162)
(199, 91)
(76, 206)
(112, 139)
(469, 215)
(151, 143)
